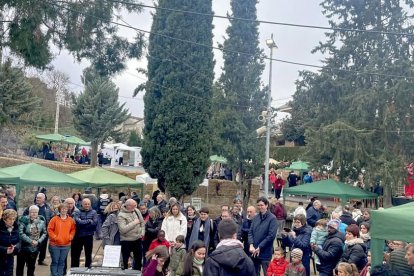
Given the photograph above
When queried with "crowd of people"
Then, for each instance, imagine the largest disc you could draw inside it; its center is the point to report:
(160, 237)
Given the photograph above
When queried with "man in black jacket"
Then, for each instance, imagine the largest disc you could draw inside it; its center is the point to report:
(86, 220)
(331, 251)
(229, 258)
(346, 216)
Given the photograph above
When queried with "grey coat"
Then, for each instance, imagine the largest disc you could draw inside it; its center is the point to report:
(110, 231)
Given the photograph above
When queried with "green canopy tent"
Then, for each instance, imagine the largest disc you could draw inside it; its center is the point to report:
(218, 159)
(298, 166)
(33, 174)
(101, 178)
(73, 140)
(55, 137)
(66, 139)
(396, 223)
(330, 188)
(8, 179)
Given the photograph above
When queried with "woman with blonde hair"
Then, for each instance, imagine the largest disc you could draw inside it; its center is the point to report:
(346, 269)
(109, 230)
(54, 204)
(9, 241)
(174, 224)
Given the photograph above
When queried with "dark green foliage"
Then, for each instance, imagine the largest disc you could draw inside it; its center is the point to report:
(360, 120)
(84, 28)
(17, 101)
(176, 144)
(97, 112)
(239, 96)
(134, 140)
(287, 153)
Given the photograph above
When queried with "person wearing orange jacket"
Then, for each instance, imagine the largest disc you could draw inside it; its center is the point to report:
(61, 231)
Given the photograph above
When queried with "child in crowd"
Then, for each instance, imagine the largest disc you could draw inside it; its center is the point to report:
(318, 236)
(177, 254)
(160, 240)
(296, 268)
(279, 264)
(193, 264)
(158, 262)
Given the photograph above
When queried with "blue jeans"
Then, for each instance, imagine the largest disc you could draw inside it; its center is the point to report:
(58, 255)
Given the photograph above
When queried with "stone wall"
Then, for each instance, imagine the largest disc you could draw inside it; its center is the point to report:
(219, 192)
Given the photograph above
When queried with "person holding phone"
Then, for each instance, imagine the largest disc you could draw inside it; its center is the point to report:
(9, 241)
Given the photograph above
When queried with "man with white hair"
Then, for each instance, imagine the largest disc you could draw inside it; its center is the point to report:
(313, 214)
(71, 206)
(131, 228)
(148, 201)
(86, 221)
(46, 212)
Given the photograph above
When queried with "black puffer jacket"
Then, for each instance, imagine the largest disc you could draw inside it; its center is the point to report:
(9, 238)
(355, 253)
(330, 253)
(86, 222)
(347, 218)
(229, 261)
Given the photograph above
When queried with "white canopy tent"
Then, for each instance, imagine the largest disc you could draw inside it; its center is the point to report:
(122, 147)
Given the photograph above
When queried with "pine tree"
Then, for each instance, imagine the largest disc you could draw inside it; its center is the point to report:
(17, 101)
(240, 97)
(176, 144)
(84, 28)
(97, 112)
(369, 113)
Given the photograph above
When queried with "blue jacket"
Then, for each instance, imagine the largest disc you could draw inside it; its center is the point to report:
(86, 222)
(262, 234)
(301, 241)
(243, 234)
(312, 216)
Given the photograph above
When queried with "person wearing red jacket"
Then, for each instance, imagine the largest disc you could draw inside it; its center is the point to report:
(279, 264)
(278, 185)
(160, 240)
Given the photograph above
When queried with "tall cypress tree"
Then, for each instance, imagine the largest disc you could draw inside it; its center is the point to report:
(240, 96)
(176, 143)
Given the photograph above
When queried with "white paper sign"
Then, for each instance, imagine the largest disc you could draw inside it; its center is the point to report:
(112, 256)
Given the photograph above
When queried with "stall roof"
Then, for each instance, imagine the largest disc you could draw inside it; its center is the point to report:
(33, 174)
(330, 188)
(99, 178)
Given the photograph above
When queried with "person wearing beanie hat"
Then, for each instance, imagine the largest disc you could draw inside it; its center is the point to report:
(300, 238)
(355, 250)
(296, 267)
(331, 251)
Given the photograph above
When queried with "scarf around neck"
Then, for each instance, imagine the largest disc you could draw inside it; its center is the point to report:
(230, 242)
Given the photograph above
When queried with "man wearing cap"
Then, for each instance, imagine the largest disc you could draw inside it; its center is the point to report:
(331, 251)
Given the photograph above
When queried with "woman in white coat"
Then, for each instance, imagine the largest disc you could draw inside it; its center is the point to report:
(174, 224)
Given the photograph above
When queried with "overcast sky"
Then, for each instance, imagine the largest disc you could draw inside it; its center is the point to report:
(294, 44)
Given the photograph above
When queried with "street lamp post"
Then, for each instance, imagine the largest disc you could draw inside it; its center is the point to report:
(272, 45)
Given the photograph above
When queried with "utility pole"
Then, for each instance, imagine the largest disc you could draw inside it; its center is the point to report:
(1, 36)
(58, 98)
(272, 45)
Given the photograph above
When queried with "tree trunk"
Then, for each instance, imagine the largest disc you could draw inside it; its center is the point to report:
(246, 197)
(94, 153)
